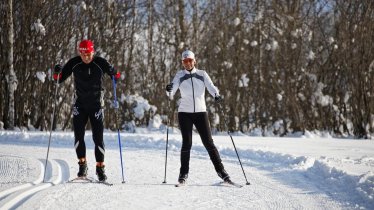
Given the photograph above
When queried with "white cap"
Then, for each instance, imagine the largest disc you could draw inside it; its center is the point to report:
(188, 54)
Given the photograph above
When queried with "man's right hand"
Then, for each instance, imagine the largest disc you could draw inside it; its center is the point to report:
(169, 87)
(57, 72)
(58, 68)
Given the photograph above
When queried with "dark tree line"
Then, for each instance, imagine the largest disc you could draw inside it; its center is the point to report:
(282, 66)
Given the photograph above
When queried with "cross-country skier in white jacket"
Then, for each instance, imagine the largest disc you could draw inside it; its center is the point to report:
(191, 83)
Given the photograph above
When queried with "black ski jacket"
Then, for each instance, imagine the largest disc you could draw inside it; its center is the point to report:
(88, 80)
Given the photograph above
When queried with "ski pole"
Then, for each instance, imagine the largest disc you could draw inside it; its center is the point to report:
(232, 140)
(116, 106)
(52, 121)
(167, 141)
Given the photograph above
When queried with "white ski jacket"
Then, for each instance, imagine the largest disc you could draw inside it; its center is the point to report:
(191, 85)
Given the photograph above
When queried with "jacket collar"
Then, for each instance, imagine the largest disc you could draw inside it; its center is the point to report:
(192, 71)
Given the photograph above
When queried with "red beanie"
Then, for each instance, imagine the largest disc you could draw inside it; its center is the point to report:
(86, 46)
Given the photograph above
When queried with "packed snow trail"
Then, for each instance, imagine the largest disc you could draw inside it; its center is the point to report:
(15, 196)
(145, 190)
(278, 181)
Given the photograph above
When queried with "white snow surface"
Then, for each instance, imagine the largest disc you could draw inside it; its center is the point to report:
(284, 173)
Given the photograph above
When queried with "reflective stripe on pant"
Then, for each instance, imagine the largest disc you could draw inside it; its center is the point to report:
(201, 122)
(80, 118)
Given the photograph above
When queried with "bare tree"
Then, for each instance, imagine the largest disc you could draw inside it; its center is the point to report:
(11, 77)
(282, 66)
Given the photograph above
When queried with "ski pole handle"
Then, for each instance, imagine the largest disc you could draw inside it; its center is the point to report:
(115, 102)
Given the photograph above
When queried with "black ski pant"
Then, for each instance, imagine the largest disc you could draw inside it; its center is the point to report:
(201, 122)
(80, 119)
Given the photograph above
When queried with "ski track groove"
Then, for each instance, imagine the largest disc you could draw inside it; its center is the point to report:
(57, 173)
(9, 191)
(266, 192)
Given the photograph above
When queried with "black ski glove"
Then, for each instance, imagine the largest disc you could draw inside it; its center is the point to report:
(169, 87)
(218, 99)
(57, 68)
(113, 72)
(57, 72)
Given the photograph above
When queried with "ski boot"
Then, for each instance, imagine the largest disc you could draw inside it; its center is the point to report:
(100, 172)
(224, 175)
(82, 169)
(182, 178)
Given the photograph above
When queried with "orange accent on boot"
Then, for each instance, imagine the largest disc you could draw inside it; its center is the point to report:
(82, 160)
(100, 164)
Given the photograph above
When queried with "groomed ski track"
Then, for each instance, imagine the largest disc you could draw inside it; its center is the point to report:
(145, 184)
(13, 197)
(278, 180)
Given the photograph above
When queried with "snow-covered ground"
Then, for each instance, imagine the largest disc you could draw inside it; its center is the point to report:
(285, 173)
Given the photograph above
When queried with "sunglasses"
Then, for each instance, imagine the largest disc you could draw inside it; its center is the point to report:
(187, 60)
(86, 53)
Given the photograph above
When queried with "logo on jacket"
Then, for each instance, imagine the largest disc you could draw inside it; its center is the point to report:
(75, 111)
(99, 114)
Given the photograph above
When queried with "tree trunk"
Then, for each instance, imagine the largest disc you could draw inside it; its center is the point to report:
(11, 78)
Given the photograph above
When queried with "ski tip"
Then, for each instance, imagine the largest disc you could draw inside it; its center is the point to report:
(231, 183)
(105, 183)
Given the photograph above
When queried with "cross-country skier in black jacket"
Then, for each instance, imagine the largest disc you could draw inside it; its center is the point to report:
(88, 71)
(192, 83)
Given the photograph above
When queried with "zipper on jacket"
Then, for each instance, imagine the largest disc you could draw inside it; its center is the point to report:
(193, 93)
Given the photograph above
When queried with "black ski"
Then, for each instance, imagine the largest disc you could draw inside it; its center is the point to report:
(82, 179)
(103, 182)
(231, 183)
(223, 183)
(85, 179)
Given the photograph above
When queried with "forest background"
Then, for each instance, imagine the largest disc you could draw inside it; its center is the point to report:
(282, 66)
